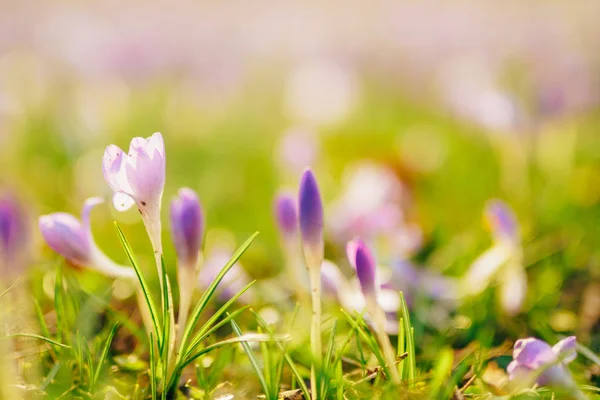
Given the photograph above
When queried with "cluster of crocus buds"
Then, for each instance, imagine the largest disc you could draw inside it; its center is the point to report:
(535, 361)
(502, 262)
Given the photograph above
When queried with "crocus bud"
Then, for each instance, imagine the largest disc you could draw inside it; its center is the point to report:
(187, 226)
(362, 260)
(535, 361)
(139, 176)
(311, 220)
(286, 215)
(72, 239)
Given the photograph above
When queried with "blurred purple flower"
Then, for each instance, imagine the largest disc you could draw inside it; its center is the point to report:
(73, 239)
(139, 176)
(371, 207)
(187, 227)
(296, 149)
(362, 260)
(311, 219)
(286, 215)
(14, 236)
(535, 361)
(502, 262)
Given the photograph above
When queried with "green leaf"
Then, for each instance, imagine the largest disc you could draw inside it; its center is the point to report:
(250, 337)
(253, 361)
(103, 354)
(195, 316)
(325, 373)
(143, 284)
(40, 337)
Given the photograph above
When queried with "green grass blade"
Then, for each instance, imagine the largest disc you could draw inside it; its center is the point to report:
(143, 284)
(152, 367)
(208, 324)
(213, 329)
(59, 306)
(249, 337)
(325, 374)
(253, 361)
(288, 359)
(369, 340)
(401, 347)
(10, 288)
(410, 343)
(40, 337)
(103, 354)
(441, 373)
(210, 291)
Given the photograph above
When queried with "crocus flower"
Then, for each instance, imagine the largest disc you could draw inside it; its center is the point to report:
(502, 262)
(311, 230)
(187, 229)
(14, 236)
(535, 361)
(362, 260)
(232, 282)
(286, 215)
(72, 238)
(311, 220)
(138, 177)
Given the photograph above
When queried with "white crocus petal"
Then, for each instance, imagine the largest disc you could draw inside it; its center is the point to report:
(566, 349)
(389, 300)
(88, 205)
(122, 202)
(513, 288)
(485, 267)
(114, 164)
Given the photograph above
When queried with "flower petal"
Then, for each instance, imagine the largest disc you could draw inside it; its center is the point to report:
(485, 267)
(513, 288)
(113, 167)
(122, 201)
(66, 235)
(566, 349)
(533, 353)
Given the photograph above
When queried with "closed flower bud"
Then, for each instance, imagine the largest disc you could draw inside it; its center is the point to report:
(187, 226)
(286, 215)
(311, 220)
(362, 260)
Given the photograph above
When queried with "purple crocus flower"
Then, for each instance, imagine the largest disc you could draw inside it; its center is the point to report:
(14, 235)
(187, 227)
(286, 215)
(362, 260)
(536, 361)
(73, 239)
(311, 220)
(502, 262)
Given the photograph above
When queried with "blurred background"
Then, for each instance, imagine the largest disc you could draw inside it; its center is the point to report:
(412, 114)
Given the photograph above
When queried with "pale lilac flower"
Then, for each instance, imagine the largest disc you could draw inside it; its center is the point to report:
(535, 361)
(286, 215)
(187, 227)
(72, 238)
(311, 220)
(362, 260)
(138, 176)
(297, 148)
(502, 262)
(14, 236)
(371, 206)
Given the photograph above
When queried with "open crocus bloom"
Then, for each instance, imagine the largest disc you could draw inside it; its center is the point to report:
(138, 176)
(73, 239)
(535, 361)
(502, 262)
